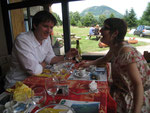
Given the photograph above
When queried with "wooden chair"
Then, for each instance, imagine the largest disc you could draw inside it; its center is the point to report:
(146, 55)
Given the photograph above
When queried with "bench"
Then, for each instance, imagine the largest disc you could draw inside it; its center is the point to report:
(73, 36)
(61, 40)
(97, 36)
(76, 38)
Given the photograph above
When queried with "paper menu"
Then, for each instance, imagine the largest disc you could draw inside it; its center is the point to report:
(82, 106)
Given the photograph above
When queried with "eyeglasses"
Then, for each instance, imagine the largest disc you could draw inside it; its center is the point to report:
(105, 28)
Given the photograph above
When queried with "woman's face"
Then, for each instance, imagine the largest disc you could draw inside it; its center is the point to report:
(106, 35)
(43, 30)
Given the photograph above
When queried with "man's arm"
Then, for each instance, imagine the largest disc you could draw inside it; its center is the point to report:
(26, 58)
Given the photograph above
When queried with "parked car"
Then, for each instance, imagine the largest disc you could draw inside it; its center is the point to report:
(142, 31)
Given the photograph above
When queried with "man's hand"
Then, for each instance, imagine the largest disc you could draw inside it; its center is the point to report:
(43, 64)
(72, 53)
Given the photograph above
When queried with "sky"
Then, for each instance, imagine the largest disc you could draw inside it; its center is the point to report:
(121, 6)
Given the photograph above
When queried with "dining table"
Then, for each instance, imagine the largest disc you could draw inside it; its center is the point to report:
(78, 89)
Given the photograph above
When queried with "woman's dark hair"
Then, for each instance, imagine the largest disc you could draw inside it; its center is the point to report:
(42, 16)
(117, 24)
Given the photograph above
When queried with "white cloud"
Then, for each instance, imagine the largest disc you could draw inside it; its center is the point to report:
(121, 6)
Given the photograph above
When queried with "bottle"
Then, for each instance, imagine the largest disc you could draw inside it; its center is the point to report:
(78, 57)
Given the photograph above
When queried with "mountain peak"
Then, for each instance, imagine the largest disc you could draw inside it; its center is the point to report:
(101, 10)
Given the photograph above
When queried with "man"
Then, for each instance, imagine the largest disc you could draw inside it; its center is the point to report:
(97, 32)
(32, 50)
(91, 31)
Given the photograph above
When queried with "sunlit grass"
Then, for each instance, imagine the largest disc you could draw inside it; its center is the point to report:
(86, 44)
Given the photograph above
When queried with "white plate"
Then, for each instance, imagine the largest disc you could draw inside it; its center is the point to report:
(79, 76)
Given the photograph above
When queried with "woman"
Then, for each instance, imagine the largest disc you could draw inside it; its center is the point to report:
(130, 72)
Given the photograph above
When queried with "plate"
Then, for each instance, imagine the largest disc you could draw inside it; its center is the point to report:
(79, 76)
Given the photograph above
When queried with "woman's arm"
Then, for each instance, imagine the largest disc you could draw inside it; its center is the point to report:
(99, 61)
(137, 85)
(104, 59)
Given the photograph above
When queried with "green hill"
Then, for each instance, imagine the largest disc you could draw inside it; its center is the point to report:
(101, 10)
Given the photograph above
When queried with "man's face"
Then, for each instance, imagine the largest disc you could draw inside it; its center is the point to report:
(43, 30)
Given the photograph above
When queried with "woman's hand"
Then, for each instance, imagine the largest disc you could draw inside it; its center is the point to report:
(84, 64)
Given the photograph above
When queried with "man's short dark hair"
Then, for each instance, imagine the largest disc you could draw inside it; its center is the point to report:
(43, 16)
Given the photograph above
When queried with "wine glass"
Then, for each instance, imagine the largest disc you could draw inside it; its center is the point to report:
(78, 58)
(39, 96)
(55, 70)
(17, 104)
(51, 86)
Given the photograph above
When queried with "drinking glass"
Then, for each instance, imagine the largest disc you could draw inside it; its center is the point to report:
(51, 86)
(39, 96)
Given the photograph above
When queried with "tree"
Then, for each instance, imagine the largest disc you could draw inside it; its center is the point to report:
(130, 18)
(112, 15)
(59, 22)
(101, 19)
(126, 15)
(88, 20)
(79, 24)
(74, 18)
(145, 19)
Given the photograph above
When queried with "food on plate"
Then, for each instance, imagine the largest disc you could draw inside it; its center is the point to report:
(51, 110)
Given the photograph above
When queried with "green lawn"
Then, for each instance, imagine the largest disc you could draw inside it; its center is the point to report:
(85, 44)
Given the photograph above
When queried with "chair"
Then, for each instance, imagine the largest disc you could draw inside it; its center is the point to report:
(146, 55)
(4, 68)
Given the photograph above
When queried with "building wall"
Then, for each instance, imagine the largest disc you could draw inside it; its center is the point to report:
(4, 57)
(3, 46)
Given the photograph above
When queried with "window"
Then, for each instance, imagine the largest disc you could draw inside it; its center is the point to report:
(79, 27)
(89, 47)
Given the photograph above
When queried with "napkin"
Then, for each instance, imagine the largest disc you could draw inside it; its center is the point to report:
(93, 86)
(21, 91)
